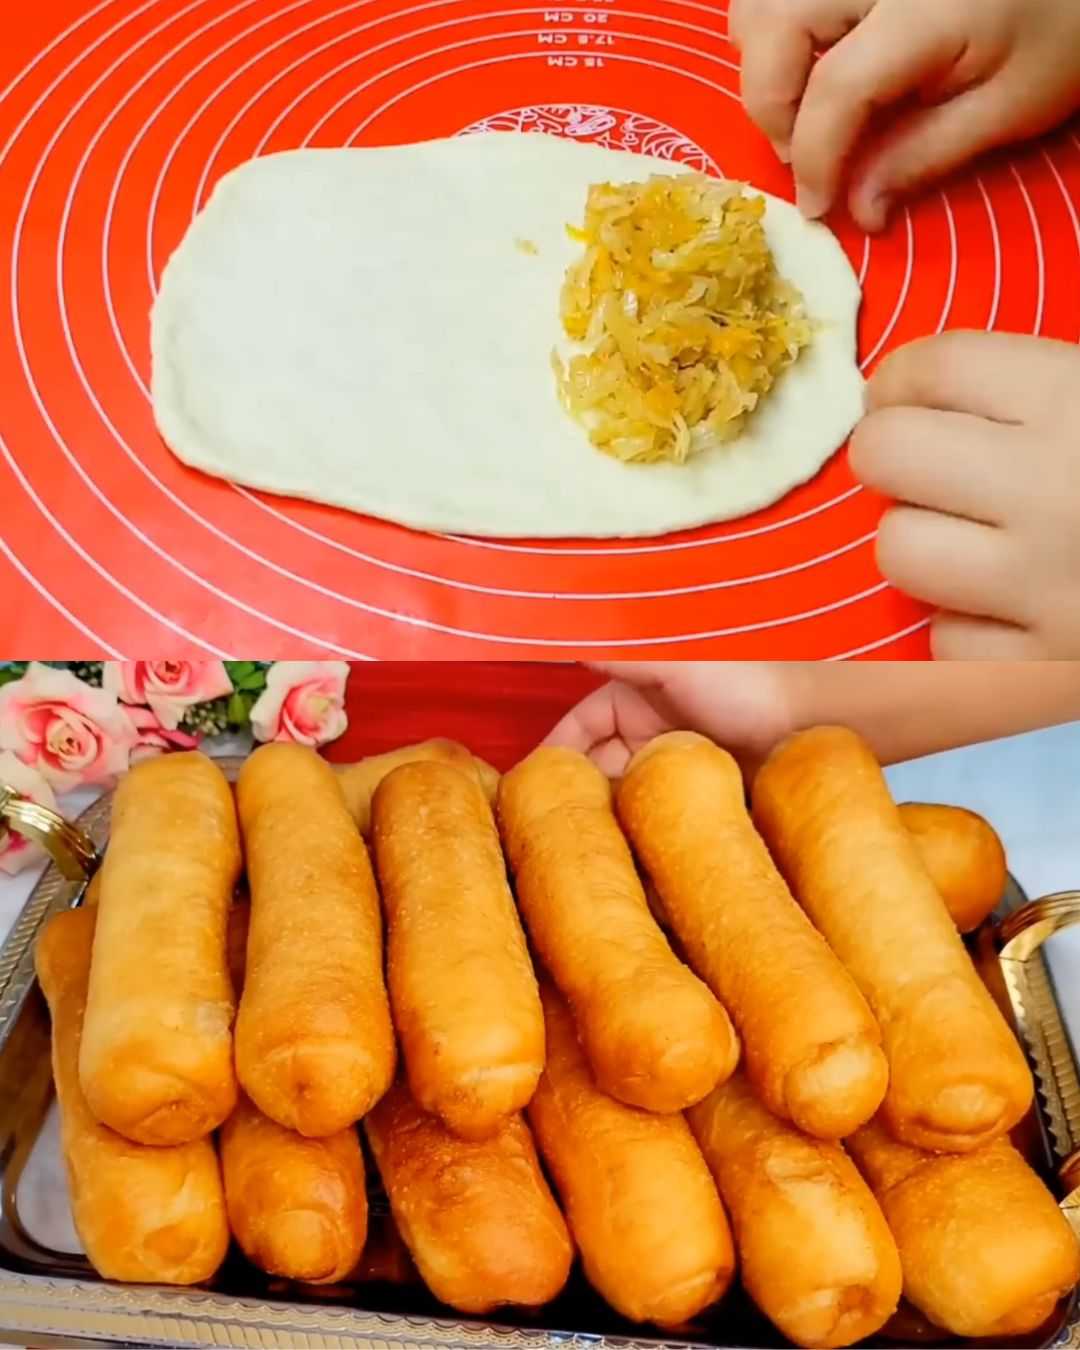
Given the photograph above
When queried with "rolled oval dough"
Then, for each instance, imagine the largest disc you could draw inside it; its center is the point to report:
(372, 328)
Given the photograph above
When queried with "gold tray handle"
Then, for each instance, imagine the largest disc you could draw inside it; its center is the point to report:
(1020, 936)
(1024, 931)
(70, 849)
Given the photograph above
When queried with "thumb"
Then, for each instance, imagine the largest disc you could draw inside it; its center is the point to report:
(924, 145)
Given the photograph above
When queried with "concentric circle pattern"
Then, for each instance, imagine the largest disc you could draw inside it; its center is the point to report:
(117, 117)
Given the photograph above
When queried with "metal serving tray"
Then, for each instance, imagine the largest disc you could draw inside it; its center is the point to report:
(49, 1293)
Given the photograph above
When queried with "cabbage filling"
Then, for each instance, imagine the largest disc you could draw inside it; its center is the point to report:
(683, 320)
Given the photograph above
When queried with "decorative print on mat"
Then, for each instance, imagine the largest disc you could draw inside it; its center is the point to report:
(116, 119)
(610, 127)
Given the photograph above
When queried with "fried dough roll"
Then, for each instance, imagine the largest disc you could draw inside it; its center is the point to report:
(957, 1076)
(359, 781)
(638, 1196)
(812, 1048)
(157, 1060)
(297, 1206)
(964, 857)
(314, 1044)
(477, 1216)
(93, 890)
(145, 1215)
(462, 987)
(815, 1253)
(985, 1250)
(654, 1034)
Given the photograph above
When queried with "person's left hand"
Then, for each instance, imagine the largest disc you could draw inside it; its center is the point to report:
(977, 437)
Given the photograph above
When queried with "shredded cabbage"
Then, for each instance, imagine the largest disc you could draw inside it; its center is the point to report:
(684, 321)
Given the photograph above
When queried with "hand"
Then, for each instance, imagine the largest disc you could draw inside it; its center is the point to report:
(970, 74)
(978, 436)
(742, 705)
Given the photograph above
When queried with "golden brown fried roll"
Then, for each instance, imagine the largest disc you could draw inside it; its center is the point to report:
(477, 1216)
(812, 1049)
(964, 857)
(314, 1044)
(654, 1034)
(639, 1198)
(156, 1061)
(297, 1206)
(815, 1253)
(985, 1250)
(359, 781)
(462, 987)
(145, 1215)
(957, 1076)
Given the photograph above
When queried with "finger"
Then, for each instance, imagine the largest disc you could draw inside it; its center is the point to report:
(925, 145)
(734, 22)
(1006, 377)
(644, 674)
(590, 723)
(959, 637)
(944, 461)
(882, 59)
(612, 757)
(776, 60)
(951, 563)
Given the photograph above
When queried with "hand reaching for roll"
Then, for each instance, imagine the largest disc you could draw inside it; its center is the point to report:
(747, 706)
(741, 705)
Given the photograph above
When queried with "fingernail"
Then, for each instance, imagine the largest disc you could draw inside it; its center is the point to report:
(875, 212)
(812, 204)
(783, 152)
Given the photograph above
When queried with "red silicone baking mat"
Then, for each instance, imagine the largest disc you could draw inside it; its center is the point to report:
(115, 120)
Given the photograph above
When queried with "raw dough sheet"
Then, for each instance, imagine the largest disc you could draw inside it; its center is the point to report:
(362, 327)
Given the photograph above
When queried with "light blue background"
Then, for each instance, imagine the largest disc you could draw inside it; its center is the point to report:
(1028, 787)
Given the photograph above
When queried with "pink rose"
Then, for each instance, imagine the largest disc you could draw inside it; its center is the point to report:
(168, 687)
(153, 738)
(70, 732)
(15, 851)
(303, 701)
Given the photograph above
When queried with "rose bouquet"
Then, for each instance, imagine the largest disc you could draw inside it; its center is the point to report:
(65, 725)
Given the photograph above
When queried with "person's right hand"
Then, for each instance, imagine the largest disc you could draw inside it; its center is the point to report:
(743, 705)
(955, 76)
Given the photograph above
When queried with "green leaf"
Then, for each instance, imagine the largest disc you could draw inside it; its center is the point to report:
(237, 670)
(9, 674)
(239, 711)
(256, 681)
